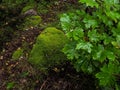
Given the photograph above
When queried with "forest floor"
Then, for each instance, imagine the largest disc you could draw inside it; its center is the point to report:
(20, 75)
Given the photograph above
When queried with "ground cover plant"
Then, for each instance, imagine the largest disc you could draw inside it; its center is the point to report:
(94, 40)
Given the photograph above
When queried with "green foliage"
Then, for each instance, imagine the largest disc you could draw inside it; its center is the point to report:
(41, 8)
(106, 75)
(24, 74)
(16, 55)
(10, 85)
(29, 5)
(94, 39)
(46, 52)
(91, 3)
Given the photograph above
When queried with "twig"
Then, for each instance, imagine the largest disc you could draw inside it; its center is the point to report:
(43, 84)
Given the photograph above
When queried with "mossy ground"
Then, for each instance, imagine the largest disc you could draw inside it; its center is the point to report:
(20, 75)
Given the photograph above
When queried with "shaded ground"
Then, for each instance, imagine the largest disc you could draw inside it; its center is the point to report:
(20, 75)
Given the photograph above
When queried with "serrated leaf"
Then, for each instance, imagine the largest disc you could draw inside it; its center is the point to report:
(70, 51)
(113, 15)
(65, 22)
(112, 1)
(85, 46)
(84, 66)
(107, 40)
(90, 68)
(115, 44)
(110, 55)
(91, 3)
(106, 76)
(103, 56)
(90, 23)
(78, 33)
(78, 64)
(93, 36)
(103, 77)
(69, 34)
(99, 53)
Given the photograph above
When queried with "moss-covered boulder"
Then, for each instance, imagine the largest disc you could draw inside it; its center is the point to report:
(31, 21)
(29, 5)
(47, 51)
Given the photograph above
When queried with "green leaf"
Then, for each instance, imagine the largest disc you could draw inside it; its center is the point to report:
(115, 44)
(65, 22)
(118, 38)
(113, 15)
(93, 36)
(84, 66)
(85, 46)
(112, 1)
(78, 33)
(110, 55)
(78, 64)
(70, 51)
(90, 68)
(107, 40)
(99, 53)
(106, 76)
(90, 23)
(10, 85)
(91, 3)
(117, 87)
(69, 34)
(118, 25)
(104, 79)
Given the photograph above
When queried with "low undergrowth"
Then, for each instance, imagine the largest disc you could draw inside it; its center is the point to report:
(94, 40)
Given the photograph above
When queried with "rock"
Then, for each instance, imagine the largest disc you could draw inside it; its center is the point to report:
(31, 22)
(30, 12)
(47, 51)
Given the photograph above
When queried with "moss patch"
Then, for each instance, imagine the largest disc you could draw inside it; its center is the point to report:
(29, 5)
(47, 52)
(31, 21)
(27, 8)
(16, 55)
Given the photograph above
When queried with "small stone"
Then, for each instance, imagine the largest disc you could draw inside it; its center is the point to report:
(1, 57)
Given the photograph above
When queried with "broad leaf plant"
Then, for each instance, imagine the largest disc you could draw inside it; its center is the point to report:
(94, 40)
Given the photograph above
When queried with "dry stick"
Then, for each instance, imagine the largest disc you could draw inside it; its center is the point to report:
(43, 84)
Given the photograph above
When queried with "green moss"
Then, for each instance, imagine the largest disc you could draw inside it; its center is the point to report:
(47, 52)
(41, 8)
(31, 21)
(16, 55)
(29, 5)
(27, 8)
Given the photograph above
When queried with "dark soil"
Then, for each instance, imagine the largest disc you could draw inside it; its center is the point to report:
(20, 75)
